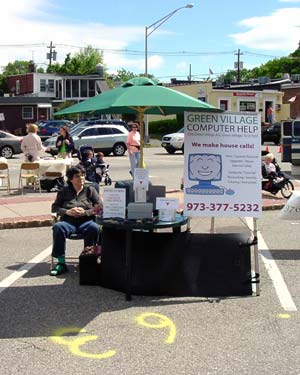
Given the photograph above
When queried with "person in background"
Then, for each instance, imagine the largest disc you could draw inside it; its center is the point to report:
(64, 143)
(32, 144)
(268, 168)
(99, 165)
(76, 204)
(88, 162)
(270, 171)
(133, 146)
(270, 114)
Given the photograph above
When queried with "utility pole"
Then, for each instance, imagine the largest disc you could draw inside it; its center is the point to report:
(52, 54)
(238, 65)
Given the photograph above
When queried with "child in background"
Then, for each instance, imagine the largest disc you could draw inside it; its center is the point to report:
(99, 165)
(88, 162)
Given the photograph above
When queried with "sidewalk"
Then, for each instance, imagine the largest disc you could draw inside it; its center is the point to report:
(34, 209)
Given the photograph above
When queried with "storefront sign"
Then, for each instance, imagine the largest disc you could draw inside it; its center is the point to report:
(222, 164)
(253, 94)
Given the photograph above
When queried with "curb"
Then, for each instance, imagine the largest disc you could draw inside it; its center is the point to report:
(19, 223)
(24, 222)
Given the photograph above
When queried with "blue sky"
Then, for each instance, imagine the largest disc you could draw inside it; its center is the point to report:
(204, 37)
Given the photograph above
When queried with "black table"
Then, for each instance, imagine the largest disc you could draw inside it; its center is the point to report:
(137, 225)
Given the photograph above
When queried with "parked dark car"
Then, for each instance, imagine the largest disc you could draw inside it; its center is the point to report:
(10, 145)
(51, 127)
(271, 133)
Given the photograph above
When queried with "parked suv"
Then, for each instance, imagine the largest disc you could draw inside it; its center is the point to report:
(173, 142)
(100, 122)
(105, 138)
(51, 127)
(271, 133)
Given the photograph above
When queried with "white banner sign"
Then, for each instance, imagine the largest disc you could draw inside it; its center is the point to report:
(114, 203)
(2, 118)
(222, 164)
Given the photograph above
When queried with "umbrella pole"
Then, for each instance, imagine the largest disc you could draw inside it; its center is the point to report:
(141, 121)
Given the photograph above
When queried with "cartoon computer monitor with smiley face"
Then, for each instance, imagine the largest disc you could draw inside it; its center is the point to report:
(205, 168)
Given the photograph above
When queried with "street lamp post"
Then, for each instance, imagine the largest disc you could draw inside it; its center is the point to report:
(148, 31)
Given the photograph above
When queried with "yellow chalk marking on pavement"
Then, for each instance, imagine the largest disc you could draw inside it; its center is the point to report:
(162, 322)
(284, 316)
(74, 344)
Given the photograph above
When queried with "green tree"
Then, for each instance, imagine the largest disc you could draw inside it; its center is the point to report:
(83, 62)
(16, 67)
(122, 75)
(12, 68)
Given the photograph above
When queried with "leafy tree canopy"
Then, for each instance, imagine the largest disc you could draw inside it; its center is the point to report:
(83, 62)
(274, 69)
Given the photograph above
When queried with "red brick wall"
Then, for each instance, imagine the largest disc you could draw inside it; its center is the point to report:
(25, 83)
(294, 106)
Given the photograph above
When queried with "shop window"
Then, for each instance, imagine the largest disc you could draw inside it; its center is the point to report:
(51, 85)
(247, 106)
(42, 85)
(91, 88)
(75, 88)
(224, 105)
(83, 88)
(68, 88)
(27, 113)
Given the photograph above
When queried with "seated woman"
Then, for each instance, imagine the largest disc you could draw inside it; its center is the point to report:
(271, 171)
(76, 205)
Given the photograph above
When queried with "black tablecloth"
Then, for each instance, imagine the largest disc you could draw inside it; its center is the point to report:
(178, 264)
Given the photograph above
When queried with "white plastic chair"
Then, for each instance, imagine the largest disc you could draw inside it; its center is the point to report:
(4, 175)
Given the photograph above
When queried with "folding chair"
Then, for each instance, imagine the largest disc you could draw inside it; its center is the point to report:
(30, 171)
(4, 175)
(73, 236)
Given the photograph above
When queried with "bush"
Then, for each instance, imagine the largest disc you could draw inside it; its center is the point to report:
(164, 126)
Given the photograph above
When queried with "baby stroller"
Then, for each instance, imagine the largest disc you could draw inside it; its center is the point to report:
(95, 172)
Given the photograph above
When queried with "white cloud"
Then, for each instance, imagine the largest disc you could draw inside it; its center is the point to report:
(277, 32)
(30, 22)
(289, 1)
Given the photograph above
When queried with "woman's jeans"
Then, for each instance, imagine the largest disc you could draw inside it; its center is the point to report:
(134, 158)
(62, 230)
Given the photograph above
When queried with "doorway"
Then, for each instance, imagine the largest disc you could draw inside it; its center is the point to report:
(267, 105)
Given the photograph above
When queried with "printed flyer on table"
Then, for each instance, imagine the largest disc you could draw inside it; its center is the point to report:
(222, 164)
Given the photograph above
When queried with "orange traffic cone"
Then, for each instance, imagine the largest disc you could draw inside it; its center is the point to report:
(267, 148)
(279, 149)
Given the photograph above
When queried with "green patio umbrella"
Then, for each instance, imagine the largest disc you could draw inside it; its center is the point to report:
(140, 96)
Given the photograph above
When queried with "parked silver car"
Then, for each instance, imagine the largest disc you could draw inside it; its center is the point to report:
(104, 138)
(173, 142)
(10, 145)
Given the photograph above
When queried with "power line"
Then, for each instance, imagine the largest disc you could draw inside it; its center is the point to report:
(138, 52)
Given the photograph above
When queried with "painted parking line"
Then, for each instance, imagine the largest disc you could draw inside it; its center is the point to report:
(275, 275)
(280, 286)
(24, 269)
